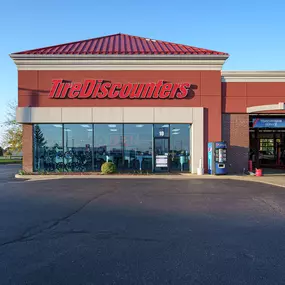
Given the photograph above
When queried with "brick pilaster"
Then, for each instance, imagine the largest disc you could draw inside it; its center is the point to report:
(236, 134)
(28, 147)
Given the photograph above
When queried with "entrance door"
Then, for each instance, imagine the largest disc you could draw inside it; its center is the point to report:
(161, 154)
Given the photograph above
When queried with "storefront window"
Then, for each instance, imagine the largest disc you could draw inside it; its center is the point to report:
(180, 147)
(138, 147)
(78, 141)
(85, 147)
(108, 144)
(48, 147)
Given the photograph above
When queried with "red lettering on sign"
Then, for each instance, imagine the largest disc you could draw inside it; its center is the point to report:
(148, 90)
(136, 90)
(55, 85)
(92, 88)
(113, 92)
(104, 90)
(126, 90)
(174, 90)
(96, 90)
(59, 90)
(87, 88)
(165, 90)
(157, 89)
(65, 90)
(184, 88)
(75, 90)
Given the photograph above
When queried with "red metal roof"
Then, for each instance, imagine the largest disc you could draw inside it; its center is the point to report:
(122, 44)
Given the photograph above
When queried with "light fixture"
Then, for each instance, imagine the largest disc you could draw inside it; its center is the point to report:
(112, 126)
(175, 130)
(67, 130)
(165, 126)
(58, 126)
(139, 126)
(85, 126)
(175, 133)
(89, 130)
(113, 130)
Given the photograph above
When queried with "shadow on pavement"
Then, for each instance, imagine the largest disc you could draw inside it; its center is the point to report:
(142, 232)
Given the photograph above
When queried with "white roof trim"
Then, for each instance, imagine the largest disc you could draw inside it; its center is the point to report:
(253, 76)
(256, 109)
(117, 63)
(118, 56)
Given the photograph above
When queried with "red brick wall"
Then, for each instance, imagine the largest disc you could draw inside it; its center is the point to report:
(236, 134)
(237, 96)
(28, 147)
(34, 87)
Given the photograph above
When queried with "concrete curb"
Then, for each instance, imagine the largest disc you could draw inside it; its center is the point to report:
(184, 176)
(100, 176)
(125, 176)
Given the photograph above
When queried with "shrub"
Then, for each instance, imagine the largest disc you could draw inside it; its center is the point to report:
(22, 172)
(108, 168)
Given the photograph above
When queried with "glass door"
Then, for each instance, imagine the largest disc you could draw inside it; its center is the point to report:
(161, 154)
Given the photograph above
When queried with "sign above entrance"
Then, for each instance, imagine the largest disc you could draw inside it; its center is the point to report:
(100, 89)
(268, 123)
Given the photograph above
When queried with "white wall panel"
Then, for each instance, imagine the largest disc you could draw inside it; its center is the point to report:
(45, 115)
(138, 115)
(173, 115)
(107, 115)
(77, 115)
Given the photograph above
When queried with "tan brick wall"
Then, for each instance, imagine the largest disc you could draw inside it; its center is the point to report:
(28, 147)
(236, 134)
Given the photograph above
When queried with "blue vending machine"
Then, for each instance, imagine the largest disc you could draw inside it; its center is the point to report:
(217, 158)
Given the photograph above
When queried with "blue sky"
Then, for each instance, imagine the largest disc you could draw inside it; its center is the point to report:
(251, 31)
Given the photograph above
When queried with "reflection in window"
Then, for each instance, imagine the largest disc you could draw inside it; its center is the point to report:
(180, 147)
(129, 146)
(48, 148)
(138, 147)
(78, 147)
(108, 144)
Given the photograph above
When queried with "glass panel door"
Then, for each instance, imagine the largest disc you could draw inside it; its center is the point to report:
(161, 154)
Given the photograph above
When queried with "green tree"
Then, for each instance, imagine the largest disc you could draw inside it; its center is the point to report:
(14, 132)
(1, 151)
(39, 137)
(40, 143)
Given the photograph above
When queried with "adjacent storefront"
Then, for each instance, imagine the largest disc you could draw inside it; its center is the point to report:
(145, 105)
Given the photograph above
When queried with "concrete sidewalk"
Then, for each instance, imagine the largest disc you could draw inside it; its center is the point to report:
(276, 180)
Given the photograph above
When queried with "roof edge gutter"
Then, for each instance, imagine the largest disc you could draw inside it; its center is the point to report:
(115, 56)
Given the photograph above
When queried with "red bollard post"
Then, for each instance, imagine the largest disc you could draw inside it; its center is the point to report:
(250, 165)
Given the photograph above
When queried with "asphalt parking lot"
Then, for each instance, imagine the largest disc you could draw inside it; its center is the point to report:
(7, 172)
(140, 231)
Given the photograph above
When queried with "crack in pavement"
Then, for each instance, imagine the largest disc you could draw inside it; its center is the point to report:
(103, 235)
(28, 234)
(271, 204)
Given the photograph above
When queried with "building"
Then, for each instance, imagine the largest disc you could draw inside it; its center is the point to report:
(144, 104)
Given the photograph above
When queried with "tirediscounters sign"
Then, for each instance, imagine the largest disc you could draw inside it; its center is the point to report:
(100, 89)
(268, 123)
